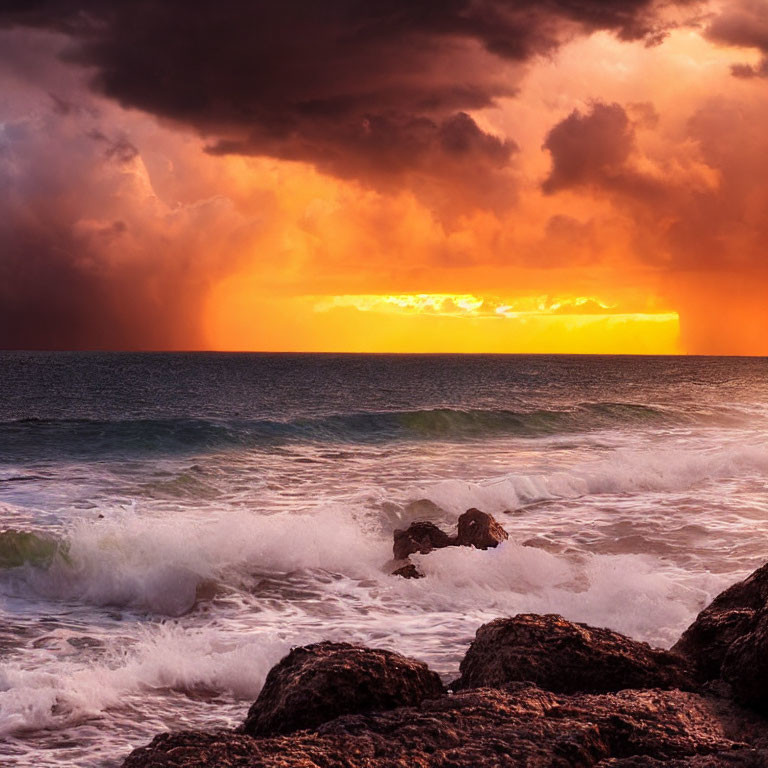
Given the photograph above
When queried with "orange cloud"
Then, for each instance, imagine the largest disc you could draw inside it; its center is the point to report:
(629, 218)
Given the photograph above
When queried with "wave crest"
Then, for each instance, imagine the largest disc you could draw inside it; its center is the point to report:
(86, 437)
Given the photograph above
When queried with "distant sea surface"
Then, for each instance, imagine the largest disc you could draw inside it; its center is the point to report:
(173, 523)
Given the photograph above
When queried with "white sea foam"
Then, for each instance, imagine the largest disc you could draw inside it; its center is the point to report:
(436, 617)
(256, 503)
(62, 691)
(634, 594)
(625, 471)
(158, 564)
(325, 579)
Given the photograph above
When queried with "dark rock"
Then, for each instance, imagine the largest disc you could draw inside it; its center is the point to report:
(738, 758)
(745, 665)
(561, 656)
(518, 726)
(319, 682)
(420, 537)
(729, 639)
(476, 529)
(730, 616)
(479, 529)
(409, 571)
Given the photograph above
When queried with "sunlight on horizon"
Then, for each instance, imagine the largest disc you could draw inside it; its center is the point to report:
(439, 323)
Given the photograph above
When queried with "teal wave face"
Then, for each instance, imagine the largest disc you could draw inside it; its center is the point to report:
(38, 438)
(18, 548)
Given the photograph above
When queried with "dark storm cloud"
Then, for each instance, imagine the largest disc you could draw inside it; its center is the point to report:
(89, 256)
(370, 89)
(589, 148)
(49, 294)
(119, 149)
(743, 24)
(594, 149)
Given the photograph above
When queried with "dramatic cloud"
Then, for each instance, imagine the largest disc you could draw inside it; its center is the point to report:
(369, 89)
(743, 23)
(179, 177)
(91, 257)
(589, 148)
(705, 232)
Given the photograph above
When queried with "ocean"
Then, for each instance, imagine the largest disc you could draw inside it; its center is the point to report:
(173, 523)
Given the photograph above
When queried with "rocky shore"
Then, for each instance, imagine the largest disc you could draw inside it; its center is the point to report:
(534, 691)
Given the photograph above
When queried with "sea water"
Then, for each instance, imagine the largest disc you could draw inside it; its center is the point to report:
(173, 523)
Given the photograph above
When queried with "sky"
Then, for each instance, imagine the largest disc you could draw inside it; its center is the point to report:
(575, 176)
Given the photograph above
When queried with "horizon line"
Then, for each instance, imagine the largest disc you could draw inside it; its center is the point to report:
(371, 354)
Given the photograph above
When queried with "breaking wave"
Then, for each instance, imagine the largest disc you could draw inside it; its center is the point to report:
(625, 471)
(165, 567)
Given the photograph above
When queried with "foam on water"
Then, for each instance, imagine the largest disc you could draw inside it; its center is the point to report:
(160, 564)
(162, 657)
(634, 594)
(170, 543)
(463, 587)
(432, 618)
(626, 471)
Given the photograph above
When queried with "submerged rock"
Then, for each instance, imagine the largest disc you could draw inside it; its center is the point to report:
(420, 537)
(409, 571)
(480, 530)
(732, 615)
(518, 726)
(316, 683)
(561, 656)
(424, 508)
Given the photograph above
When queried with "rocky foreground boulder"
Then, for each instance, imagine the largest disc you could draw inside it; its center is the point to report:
(733, 614)
(317, 683)
(729, 640)
(520, 725)
(745, 666)
(534, 692)
(564, 657)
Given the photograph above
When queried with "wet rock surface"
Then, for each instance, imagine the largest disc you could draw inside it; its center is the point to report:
(480, 530)
(729, 640)
(409, 571)
(745, 666)
(475, 529)
(316, 683)
(733, 614)
(565, 657)
(740, 758)
(592, 697)
(519, 725)
(420, 537)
